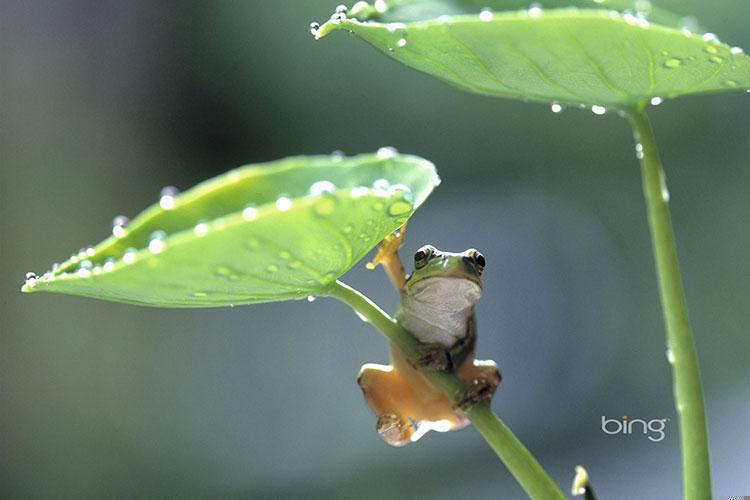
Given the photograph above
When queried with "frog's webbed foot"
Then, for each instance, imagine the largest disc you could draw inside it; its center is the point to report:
(482, 379)
(387, 396)
(387, 256)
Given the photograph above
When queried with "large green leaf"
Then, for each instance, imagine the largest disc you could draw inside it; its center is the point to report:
(594, 57)
(277, 231)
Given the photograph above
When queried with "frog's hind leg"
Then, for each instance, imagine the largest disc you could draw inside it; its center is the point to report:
(385, 392)
(387, 256)
(482, 379)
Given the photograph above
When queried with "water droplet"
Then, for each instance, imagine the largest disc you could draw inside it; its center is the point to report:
(486, 15)
(731, 84)
(387, 152)
(129, 256)
(85, 264)
(401, 42)
(55, 267)
(337, 155)
(664, 190)
(672, 63)
(401, 190)
(342, 9)
(249, 212)
(735, 51)
(283, 203)
(716, 59)
(337, 17)
(400, 207)
(109, 265)
(556, 107)
(639, 151)
(31, 276)
(200, 294)
(201, 229)
(321, 187)
(598, 110)
(670, 356)
(272, 268)
(227, 273)
(326, 205)
(381, 185)
(156, 242)
(380, 6)
(166, 200)
(83, 273)
(710, 37)
(314, 27)
(118, 226)
(311, 298)
(655, 101)
(535, 9)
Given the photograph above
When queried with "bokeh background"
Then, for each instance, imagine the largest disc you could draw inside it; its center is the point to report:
(103, 103)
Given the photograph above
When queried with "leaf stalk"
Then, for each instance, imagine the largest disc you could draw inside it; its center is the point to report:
(516, 457)
(688, 393)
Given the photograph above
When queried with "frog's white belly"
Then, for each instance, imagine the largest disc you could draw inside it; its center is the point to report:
(438, 309)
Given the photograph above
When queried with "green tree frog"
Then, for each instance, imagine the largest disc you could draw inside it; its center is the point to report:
(437, 307)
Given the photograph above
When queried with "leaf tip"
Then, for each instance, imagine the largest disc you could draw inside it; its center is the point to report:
(30, 283)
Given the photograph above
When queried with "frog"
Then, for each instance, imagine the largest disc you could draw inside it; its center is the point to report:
(436, 305)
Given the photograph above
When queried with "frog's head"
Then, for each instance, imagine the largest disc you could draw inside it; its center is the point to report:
(453, 279)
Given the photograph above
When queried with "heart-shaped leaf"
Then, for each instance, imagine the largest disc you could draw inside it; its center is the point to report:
(594, 57)
(277, 231)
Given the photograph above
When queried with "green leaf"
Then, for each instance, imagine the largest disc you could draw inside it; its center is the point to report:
(591, 57)
(276, 231)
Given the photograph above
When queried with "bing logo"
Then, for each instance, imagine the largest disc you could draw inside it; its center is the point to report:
(652, 429)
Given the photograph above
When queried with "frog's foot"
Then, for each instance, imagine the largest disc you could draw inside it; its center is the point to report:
(482, 379)
(387, 256)
(388, 396)
(394, 429)
(434, 357)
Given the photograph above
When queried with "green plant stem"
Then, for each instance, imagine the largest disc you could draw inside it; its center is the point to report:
(521, 463)
(688, 394)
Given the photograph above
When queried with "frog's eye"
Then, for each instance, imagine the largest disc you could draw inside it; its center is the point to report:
(478, 259)
(423, 256)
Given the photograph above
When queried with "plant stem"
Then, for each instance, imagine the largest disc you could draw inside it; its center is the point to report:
(522, 464)
(688, 394)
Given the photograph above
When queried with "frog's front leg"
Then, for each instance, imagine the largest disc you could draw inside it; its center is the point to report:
(387, 256)
(386, 392)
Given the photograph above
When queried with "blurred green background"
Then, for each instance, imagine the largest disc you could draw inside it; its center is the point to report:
(103, 103)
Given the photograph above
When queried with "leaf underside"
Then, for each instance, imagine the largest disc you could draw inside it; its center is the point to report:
(282, 230)
(573, 56)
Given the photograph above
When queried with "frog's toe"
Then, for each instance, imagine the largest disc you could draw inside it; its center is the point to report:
(395, 430)
(482, 380)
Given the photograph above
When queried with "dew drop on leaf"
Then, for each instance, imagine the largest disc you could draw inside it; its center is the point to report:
(166, 199)
(249, 212)
(283, 203)
(672, 63)
(201, 229)
(400, 207)
(129, 256)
